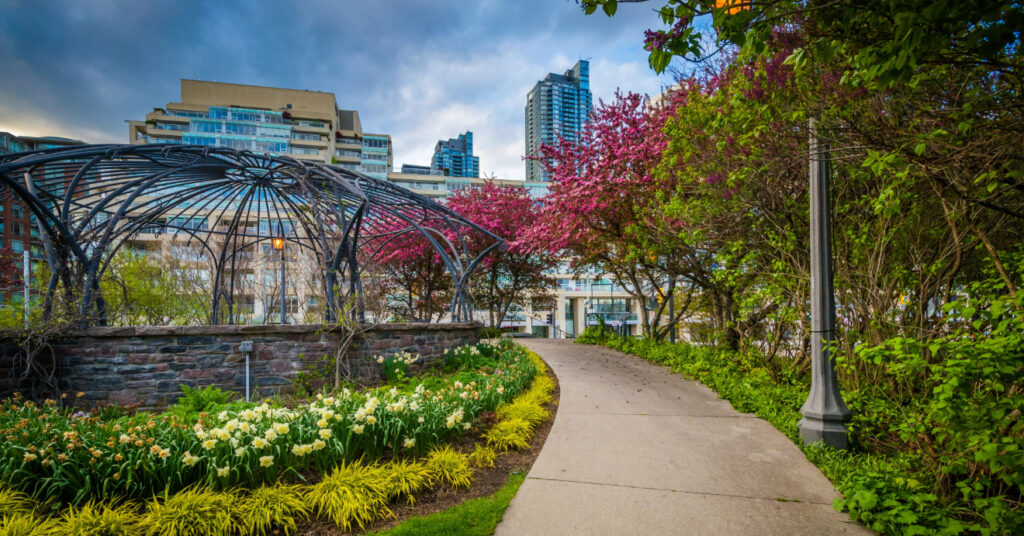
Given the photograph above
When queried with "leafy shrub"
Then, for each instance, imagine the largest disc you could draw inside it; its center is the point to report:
(278, 506)
(98, 519)
(490, 333)
(353, 494)
(532, 413)
(191, 512)
(450, 466)
(469, 358)
(15, 502)
(194, 401)
(483, 456)
(510, 434)
(406, 478)
(27, 525)
(395, 367)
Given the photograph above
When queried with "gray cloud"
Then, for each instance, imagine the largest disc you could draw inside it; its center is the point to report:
(420, 70)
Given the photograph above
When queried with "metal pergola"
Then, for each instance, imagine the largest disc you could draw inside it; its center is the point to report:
(90, 200)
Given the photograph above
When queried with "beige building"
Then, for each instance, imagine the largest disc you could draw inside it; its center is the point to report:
(301, 124)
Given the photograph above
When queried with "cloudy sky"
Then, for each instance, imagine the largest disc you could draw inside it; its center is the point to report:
(419, 70)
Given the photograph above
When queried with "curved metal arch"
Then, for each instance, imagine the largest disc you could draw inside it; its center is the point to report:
(92, 200)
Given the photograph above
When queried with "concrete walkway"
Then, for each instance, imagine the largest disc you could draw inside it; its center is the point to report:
(636, 449)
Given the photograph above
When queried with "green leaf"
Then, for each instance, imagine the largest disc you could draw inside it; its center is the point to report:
(919, 149)
(610, 6)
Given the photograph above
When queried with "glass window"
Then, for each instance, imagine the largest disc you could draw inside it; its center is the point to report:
(17, 246)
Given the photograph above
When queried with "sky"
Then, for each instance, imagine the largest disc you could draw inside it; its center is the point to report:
(419, 70)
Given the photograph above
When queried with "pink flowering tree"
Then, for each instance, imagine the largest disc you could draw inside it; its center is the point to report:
(515, 273)
(406, 268)
(601, 210)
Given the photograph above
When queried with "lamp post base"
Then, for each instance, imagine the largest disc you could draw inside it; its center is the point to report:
(831, 431)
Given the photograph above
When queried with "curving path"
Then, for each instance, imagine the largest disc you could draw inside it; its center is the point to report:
(637, 449)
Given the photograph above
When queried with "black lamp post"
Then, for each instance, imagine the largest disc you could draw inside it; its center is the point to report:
(279, 246)
(825, 413)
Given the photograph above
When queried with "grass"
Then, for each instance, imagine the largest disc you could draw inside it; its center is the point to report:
(477, 517)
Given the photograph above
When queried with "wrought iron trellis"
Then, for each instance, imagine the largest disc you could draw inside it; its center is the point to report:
(90, 200)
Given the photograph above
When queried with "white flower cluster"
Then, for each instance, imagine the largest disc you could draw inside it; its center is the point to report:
(401, 357)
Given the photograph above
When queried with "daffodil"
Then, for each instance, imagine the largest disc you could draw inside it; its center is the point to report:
(319, 445)
(357, 429)
(223, 471)
(259, 442)
(266, 461)
(409, 443)
(189, 459)
(324, 433)
(209, 444)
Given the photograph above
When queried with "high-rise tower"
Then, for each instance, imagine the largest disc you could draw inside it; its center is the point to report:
(556, 108)
(455, 157)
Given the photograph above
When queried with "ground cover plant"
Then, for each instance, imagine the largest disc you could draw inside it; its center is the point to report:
(350, 489)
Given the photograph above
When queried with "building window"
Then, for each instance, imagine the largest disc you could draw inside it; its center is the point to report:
(17, 246)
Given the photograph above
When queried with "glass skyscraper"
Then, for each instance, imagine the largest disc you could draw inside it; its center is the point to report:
(454, 157)
(556, 108)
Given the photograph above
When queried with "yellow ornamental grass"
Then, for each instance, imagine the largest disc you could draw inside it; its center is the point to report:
(272, 507)
(510, 434)
(529, 412)
(406, 478)
(27, 525)
(450, 466)
(353, 494)
(483, 456)
(15, 502)
(98, 519)
(191, 512)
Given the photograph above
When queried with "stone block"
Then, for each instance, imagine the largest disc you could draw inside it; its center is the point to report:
(172, 349)
(107, 383)
(209, 361)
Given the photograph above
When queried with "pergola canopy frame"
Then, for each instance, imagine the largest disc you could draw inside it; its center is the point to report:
(90, 200)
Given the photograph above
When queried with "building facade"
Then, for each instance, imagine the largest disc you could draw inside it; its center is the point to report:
(556, 109)
(454, 157)
(306, 125)
(18, 229)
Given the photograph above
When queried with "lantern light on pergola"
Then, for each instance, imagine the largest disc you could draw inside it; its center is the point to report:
(278, 243)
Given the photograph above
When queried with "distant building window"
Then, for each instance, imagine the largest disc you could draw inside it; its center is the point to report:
(17, 246)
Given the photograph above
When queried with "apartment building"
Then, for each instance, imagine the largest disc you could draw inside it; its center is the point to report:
(556, 109)
(302, 124)
(18, 229)
(454, 157)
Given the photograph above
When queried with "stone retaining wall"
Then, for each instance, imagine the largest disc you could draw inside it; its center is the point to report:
(147, 365)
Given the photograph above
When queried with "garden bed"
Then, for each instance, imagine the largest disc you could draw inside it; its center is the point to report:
(350, 460)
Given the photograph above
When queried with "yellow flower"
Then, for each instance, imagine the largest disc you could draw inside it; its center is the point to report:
(324, 433)
(319, 445)
(189, 459)
(118, 457)
(420, 420)
(165, 453)
(117, 476)
(270, 435)
(302, 450)
(209, 444)
(154, 450)
(357, 429)
(221, 434)
(239, 451)
(223, 471)
(322, 423)
(259, 442)
(123, 439)
(409, 443)
(29, 457)
(281, 428)
(96, 453)
(370, 419)
(266, 461)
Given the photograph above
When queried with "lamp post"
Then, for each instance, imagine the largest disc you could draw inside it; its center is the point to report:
(279, 246)
(825, 413)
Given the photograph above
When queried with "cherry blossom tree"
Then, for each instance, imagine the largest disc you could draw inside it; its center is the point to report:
(515, 272)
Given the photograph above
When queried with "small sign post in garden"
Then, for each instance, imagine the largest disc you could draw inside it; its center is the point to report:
(825, 413)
